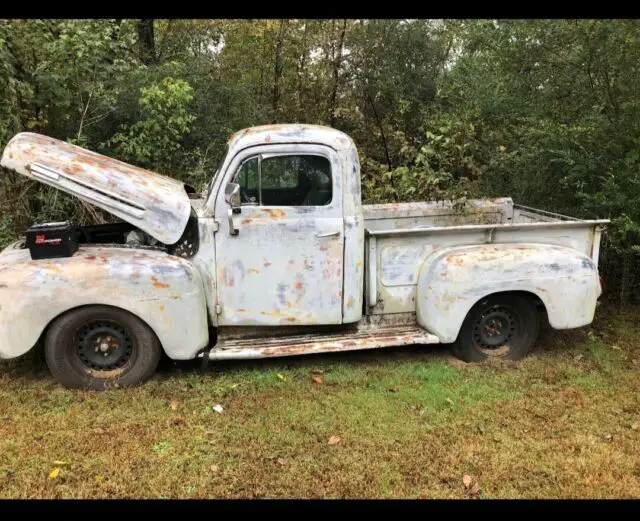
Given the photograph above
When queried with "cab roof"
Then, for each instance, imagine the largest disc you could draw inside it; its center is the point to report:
(290, 133)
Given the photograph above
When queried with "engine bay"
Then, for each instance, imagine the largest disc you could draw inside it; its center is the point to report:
(126, 235)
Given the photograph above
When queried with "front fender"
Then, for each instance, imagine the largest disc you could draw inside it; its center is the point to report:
(164, 291)
(452, 280)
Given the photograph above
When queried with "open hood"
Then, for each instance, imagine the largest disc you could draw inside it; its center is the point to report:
(156, 204)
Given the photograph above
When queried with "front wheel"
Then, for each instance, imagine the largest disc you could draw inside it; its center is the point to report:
(96, 347)
(498, 327)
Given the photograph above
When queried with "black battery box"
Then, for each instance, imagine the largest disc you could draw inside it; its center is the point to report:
(52, 240)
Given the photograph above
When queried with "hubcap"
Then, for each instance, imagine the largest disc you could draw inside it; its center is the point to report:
(493, 331)
(103, 345)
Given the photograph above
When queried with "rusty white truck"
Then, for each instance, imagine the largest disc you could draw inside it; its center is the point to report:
(278, 256)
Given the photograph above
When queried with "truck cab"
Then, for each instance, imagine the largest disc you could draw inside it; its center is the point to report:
(290, 245)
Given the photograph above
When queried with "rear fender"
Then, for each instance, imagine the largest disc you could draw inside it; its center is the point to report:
(452, 280)
(164, 291)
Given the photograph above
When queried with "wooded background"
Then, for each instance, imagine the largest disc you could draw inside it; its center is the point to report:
(544, 111)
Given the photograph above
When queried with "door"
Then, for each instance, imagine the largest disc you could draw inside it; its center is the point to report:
(285, 264)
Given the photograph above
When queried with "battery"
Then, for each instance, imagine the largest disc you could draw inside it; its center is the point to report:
(52, 240)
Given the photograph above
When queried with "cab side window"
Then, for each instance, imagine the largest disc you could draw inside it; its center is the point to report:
(286, 180)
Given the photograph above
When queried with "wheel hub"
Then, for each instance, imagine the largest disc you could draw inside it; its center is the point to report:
(104, 345)
(494, 329)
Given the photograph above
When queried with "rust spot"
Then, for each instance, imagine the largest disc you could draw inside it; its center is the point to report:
(443, 273)
(267, 139)
(157, 284)
(299, 284)
(455, 260)
(290, 319)
(253, 270)
(90, 257)
(53, 267)
(161, 308)
(350, 302)
(275, 213)
(227, 278)
(246, 220)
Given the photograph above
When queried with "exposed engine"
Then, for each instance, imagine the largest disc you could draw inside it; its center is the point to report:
(128, 236)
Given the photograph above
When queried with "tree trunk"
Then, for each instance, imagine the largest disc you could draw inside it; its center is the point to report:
(337, 62)
(302, 75)
(278, 71)
(146, 41)
(379, 123)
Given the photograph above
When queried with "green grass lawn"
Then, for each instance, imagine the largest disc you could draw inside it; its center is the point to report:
(407, 422)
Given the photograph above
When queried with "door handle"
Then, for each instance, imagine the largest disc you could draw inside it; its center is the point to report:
(330, 234)
(232, 229)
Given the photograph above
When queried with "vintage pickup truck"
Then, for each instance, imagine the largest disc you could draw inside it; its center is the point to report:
(278, 256)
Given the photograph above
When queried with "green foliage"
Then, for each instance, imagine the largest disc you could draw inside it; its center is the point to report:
(154, 140)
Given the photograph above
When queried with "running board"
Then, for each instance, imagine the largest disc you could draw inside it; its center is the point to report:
(370, 338)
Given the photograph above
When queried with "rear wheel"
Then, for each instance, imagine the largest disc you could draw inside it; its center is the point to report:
(498, 327)
(97, 347)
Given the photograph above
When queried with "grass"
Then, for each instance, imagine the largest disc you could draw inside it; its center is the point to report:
(409, 423)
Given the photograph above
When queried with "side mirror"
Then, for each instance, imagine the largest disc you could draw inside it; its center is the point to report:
(232, 195)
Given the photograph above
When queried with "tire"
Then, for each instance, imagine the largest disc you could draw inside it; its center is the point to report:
(98, 347)
(498, 327)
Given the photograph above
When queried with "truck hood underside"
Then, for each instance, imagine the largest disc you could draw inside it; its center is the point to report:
(156, 204)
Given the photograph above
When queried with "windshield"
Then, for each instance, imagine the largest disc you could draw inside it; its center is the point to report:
(215, 175)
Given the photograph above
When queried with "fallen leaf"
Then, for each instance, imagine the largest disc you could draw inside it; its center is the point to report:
(174, 405)
(282, 462)
(214, 468)
(283, 378)
(334, 440)
(317, 379)
(475, 489)
(99, 479)
(466, 480)
(217, 408)
(54, 473)
(58, 462)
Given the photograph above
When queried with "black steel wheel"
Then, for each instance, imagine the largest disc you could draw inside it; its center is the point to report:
(96, 347)
(499, 326)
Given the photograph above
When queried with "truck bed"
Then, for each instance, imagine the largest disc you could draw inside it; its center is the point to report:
(379, 217)
(399, 237)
